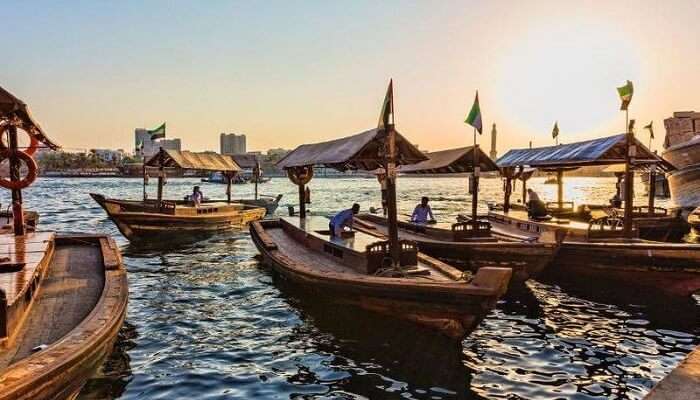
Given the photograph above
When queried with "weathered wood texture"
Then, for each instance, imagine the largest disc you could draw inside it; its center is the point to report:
(437, 298)
(77, 312)
(527, 259)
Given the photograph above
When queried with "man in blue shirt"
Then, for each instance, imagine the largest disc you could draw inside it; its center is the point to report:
(422, 211)
(343, 219)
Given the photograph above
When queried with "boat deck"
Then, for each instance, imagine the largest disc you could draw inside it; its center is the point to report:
(68, 293)
(326, 263)
(24, 253)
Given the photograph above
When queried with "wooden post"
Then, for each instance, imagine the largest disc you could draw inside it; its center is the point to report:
(506, 197)
(302, 201)
(560, 188)
(522, 178)
(143, 172)
(390, 168)
(652, 188)
(629, 183)
(229, 177)
(17, 211)
(256, 174)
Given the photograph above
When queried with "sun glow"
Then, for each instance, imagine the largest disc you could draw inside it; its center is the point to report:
(566, 72)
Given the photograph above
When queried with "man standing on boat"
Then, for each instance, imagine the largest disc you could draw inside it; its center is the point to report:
(343, 219)
(422, 211)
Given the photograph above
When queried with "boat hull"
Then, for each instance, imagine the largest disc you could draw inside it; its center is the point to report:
(453, 310)
(60, 370)
(140, 224)
(673, 268)
(685, 187)
(683, 155)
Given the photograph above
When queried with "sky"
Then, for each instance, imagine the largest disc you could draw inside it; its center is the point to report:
(291, 72)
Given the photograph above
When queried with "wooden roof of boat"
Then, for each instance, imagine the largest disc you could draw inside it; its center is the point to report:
(11, 107)
(451, 161)
(601, 151)
(360, 151)
(191, 160)
(246, 161)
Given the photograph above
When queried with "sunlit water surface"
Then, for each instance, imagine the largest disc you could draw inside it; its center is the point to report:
(207, 321)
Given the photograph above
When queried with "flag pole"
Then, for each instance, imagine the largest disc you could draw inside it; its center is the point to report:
(475, 188)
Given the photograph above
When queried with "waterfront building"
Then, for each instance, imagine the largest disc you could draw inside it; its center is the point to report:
(230, 143)
(109, 155)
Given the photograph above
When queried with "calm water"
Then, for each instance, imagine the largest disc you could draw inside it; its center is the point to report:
(207, 321)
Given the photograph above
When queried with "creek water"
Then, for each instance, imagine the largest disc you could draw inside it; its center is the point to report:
(207, 321)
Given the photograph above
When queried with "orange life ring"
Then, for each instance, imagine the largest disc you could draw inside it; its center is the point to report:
(30, 150)
(31, 170)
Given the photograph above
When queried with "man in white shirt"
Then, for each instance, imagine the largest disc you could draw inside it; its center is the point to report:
(422, 211)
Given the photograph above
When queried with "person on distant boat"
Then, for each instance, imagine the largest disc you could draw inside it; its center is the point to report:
(197, 196)
(535, 207)
(422, 211)
(342, 219)
(616, 201)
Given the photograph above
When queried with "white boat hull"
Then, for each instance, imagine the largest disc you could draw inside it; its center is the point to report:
(685, 187)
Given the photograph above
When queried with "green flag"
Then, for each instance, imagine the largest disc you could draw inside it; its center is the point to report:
(157, 133)
(387, 114)
(555, 130)
(474, 117)
(625, 93)
(651, 129)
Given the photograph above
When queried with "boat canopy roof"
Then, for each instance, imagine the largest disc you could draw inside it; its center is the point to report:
(11, 107)
(245, 161)
(191, 160)
(602, 151)
(451, 161)
(357, 152)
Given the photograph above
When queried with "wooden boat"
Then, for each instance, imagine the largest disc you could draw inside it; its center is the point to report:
(682, 149)
(347, 271)
(269, 203)
(599, 249)
(527, 257)
(608, 247)
(63, 299)
(139, 220)
(694, 219)
(151, 219)
(388, 277)
(31, 219)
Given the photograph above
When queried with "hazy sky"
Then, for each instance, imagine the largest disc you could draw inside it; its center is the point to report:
(288, 72)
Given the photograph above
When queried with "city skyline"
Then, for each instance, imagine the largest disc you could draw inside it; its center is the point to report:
(315, 75)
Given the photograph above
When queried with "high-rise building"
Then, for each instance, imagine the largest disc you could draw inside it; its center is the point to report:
(230, 143)
(493, 153)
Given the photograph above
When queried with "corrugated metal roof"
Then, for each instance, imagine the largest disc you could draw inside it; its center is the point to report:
(12, 106)
(602, 151)
(451, 161)
(246, 161)
(360, 151)
(192, 160)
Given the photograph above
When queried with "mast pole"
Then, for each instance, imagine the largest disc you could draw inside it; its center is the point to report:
(229, 177)
(143, 174)
(652, 188)
(161, 177)
(629, 184)
(475, 175)
(17, 211)
(257, 177)
(560, 188)
(391, 196)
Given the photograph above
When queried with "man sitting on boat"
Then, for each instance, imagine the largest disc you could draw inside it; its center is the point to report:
(343, 219)
(535, 207)
(197, 197)
(422, 211)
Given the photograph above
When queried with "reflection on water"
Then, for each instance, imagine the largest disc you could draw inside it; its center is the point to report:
(207, 321)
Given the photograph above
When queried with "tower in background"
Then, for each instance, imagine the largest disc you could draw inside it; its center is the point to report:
(230, 143)
(493, 153)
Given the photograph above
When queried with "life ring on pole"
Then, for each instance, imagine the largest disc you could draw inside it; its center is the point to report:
(30, 150)
(31, 170)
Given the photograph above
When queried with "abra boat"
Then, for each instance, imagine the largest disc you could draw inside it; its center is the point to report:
(527, 258)
(149, 219)
(608, 247)
(389, 277)
(467, 245)
(63, 298)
